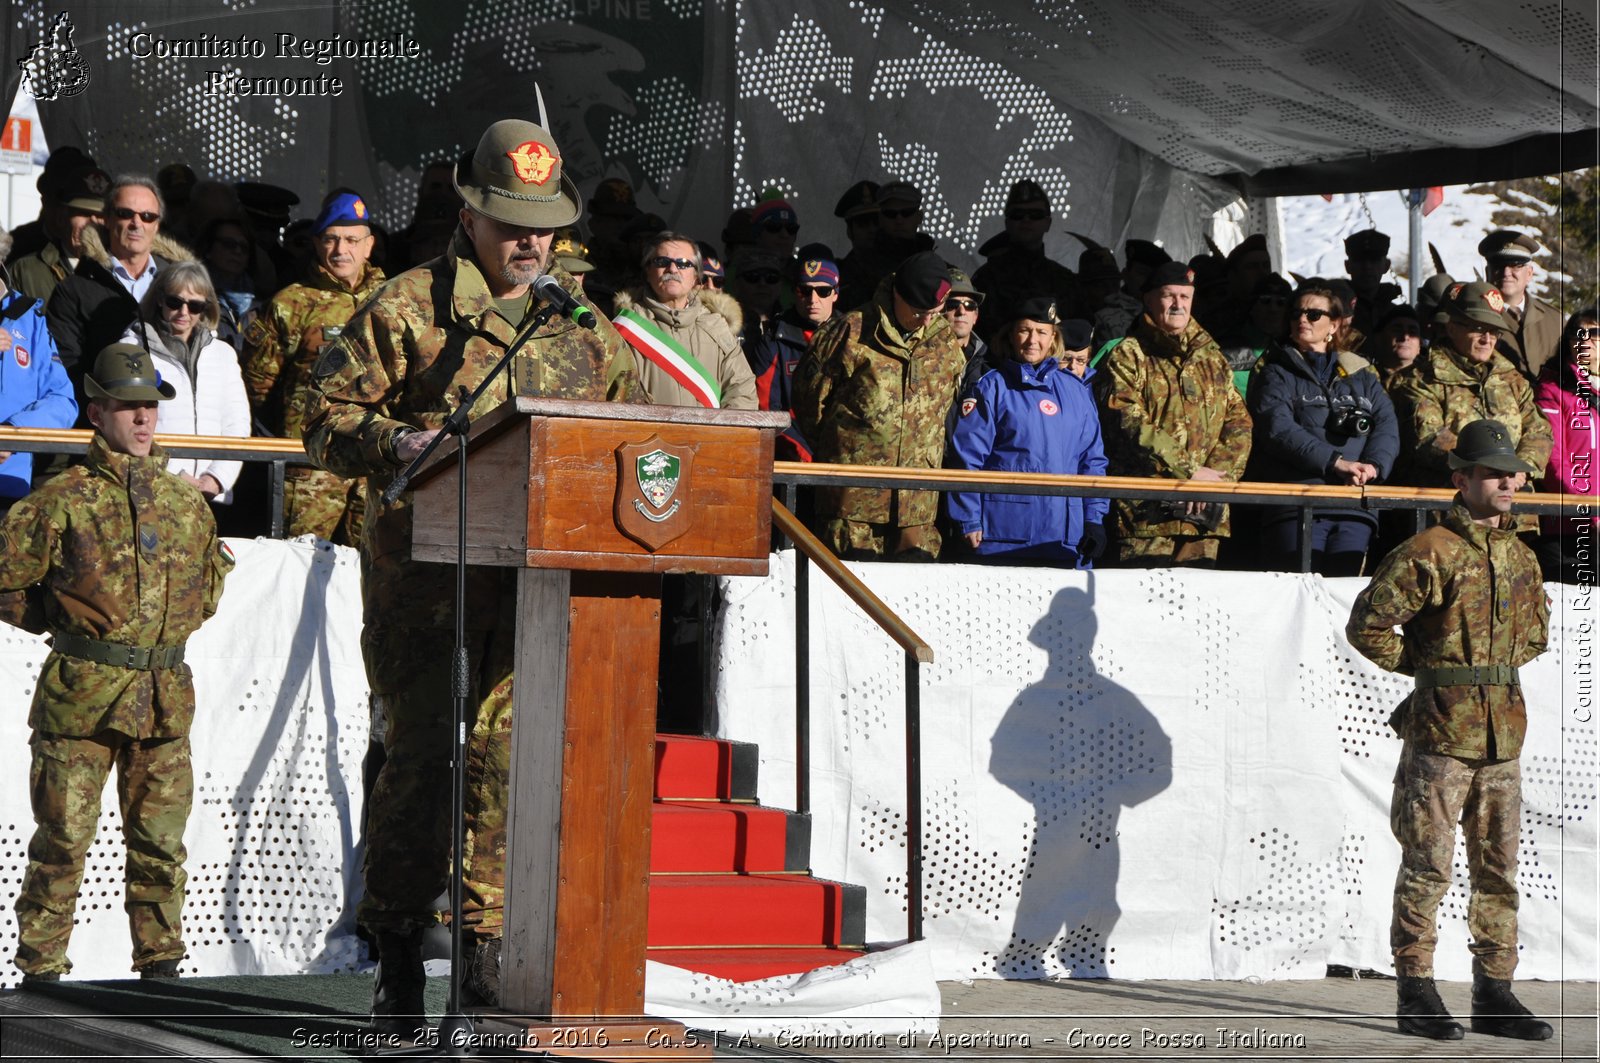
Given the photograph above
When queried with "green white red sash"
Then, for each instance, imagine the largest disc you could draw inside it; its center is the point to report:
(644, 336)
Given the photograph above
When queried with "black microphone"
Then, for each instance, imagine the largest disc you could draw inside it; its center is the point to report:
(549, 289)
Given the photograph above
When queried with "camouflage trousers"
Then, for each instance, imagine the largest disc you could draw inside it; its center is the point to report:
(859, 540)
(1432, 793)
(322, 504)
(155, 789)
(1167, 551)
(408, 815)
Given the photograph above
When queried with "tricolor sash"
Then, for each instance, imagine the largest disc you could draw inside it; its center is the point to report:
(644, 336)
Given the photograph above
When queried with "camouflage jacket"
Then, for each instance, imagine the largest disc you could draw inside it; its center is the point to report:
(282, 345)
(398, 365)
(1168, 407)
(1442, 392)
(120, 550)
(867, 393)
(1463, 594)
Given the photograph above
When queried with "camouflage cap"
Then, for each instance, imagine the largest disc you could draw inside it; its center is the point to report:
(126, 371)
(1487, 443)
(515, 177)
(570, 252)
(1478, 303)
(961, 284)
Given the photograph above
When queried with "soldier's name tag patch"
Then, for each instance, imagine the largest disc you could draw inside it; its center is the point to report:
(968, 405)
(333, 358)
(1048, 407)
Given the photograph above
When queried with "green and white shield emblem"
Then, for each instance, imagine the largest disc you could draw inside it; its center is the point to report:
(658, 477)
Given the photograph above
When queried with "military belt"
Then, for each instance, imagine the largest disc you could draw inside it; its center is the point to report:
(141, 658)
(1458, 675)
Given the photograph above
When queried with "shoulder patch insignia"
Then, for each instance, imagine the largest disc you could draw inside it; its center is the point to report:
(333, 358)
(226, 551)
(1048, 407)
(968, 405)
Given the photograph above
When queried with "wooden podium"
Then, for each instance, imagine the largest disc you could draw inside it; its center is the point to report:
(592, 502)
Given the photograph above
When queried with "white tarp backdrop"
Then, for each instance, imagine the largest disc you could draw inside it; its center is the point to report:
(1141, 774)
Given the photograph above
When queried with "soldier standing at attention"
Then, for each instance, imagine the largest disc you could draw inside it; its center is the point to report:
(1467, 595)
(282, 346)
(382, 391)
(120, 561)
(873, 390)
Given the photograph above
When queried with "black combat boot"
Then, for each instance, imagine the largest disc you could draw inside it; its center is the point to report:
(160, 969)
(29, 978)
(480, 982)
(1497, 1012)
(397, 1006)
(1421, 1013)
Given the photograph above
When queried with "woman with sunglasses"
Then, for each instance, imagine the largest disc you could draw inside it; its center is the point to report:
(1320, 416)
(1568, 393)
(180, 314)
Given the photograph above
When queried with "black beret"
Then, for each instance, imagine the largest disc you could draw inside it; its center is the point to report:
(1168, 273)
(1366, 244)
(1075, 333)
(922, 280)
(1037, 308)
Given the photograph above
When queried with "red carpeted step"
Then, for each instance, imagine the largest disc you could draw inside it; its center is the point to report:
(768, 910)
(712, 836)
(704, 768)
(747, 965)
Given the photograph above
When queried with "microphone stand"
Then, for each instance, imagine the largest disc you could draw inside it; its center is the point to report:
(453, 1038)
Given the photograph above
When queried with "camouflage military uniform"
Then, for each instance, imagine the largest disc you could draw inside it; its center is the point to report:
(397, 366)
(1442, 392)
(121, 551)
(867, 393)
(280, 349)
(1169, 406)
(1464, 594)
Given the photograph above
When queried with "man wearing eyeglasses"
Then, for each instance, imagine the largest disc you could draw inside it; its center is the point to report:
(284, 343)
(1535, 326)
(1022, 271)
(94, 307)
(873, 390)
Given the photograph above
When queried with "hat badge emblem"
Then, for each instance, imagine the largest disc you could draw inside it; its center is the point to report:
(1496, 301)
(812, 267)
(532, 162)
(97, 183)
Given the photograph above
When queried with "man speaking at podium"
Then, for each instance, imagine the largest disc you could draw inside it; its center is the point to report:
(381, 392)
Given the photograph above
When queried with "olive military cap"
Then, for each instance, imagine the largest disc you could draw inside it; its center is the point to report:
(1487, 443)
(126, 371)
(515, 177)
(1478, 303)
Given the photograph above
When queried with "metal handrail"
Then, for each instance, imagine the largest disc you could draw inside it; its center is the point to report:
(808, 548)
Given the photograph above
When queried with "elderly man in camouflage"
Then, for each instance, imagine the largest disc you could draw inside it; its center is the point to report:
(1461, 380)
(283, 345)
(382, 390)
(873, 390)
(1467, 595)
(1169, 409)
(119, 560)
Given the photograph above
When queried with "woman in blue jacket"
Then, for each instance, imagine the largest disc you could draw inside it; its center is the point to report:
(34, 389)
(1030, 415)
(1321, 417)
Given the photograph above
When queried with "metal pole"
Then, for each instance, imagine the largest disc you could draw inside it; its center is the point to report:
(1305, 538)
(802, 683)
(913, 800)
(1414, 211)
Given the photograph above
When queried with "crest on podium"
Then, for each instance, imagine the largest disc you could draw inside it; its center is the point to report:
(653, 478)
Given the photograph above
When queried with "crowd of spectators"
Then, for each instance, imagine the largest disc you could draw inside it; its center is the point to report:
(1216, 369)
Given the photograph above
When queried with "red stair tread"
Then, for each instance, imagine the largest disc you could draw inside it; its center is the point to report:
(695, 836)
(745, 910)
(687, 766)
(748, 965)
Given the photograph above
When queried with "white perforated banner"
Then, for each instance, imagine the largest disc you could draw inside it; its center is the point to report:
(1140, 774)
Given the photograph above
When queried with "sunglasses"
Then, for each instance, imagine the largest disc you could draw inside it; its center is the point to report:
(1579, 335)
(761, 276)
(663, 262)
(149, 217)
(714, 283)
(960, 306)
(1027, 214)
(196, 306)
(1405, 329)
(781, 227)
(819, 291)
(908, 212)
(1311, 314)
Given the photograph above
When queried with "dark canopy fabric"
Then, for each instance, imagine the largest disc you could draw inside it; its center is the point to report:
(1140, 117)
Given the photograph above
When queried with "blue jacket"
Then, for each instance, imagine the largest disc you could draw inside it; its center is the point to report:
(1289, 408)
(34, 389)
(1007, 424)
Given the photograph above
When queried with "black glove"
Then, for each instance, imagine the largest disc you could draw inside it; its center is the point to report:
(1093, 542)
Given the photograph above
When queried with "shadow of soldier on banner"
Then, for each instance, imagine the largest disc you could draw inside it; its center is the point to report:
(1079, 748)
